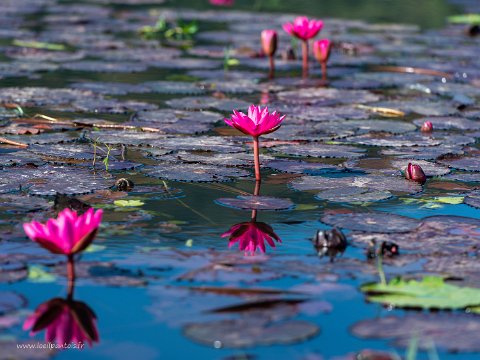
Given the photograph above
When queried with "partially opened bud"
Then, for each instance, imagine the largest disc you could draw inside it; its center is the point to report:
(427, 127)
(415, 173)
(269, 42)
(321, 50)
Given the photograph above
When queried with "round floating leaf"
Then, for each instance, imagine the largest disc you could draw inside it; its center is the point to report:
(440, 235)
(207, 102)
(221, 75)
(233, 159)
(321, 113)
(250, 332)
(50, 180)
(429, 168)
(175, 87)
(12, 203)
(329, 96)
(429, 293)
(464, 163)
(106, 67)
(301, 167)
(10, 301)
(256, 203)
(449, 331)
(320, 150)
(20, 158)
(394, 184)
(388, 140)
(473, 199)
(424, 153)
(353, 194)
(194, 172)
(373, 221)
(447, 123)
(111, 88)
(463, 177)
(42, 96)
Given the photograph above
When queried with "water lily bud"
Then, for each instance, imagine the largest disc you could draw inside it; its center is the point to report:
(427, 127)
(321, 50)
(124, 185)
(415, 173)
(389, 249)
(269, 42)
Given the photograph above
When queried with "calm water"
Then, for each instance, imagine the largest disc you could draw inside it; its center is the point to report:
(148, 321)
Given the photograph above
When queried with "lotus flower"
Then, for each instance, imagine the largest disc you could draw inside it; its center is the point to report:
(251, 236)
(427, 127)
(68, 234)
(65, 321)
(415, 173)
(304, 29)
(222, 2)
(257, 122)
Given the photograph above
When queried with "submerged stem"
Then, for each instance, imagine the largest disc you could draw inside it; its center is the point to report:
(305, 58)
(256, 155)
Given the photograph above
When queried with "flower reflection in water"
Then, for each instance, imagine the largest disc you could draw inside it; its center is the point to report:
(252, 235)
(67, 323)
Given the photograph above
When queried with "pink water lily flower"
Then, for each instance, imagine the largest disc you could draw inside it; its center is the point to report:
(68, 234)
(251, 236)
(257, 122)
(65, 321)
(303, 28)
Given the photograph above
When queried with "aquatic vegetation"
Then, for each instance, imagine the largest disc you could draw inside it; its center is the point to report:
(257, 122)
(304, 29)
(165, 30)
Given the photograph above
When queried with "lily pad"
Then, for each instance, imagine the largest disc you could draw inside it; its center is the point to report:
(372, 221)
(473, 199)
(353, 195)
(320, 150)
(452, 332)
(207, 102)
(50, 180)
(250, 332)
(194, 172)
(256, 203)
(328, 96)
(11, 301)
(463, 163)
